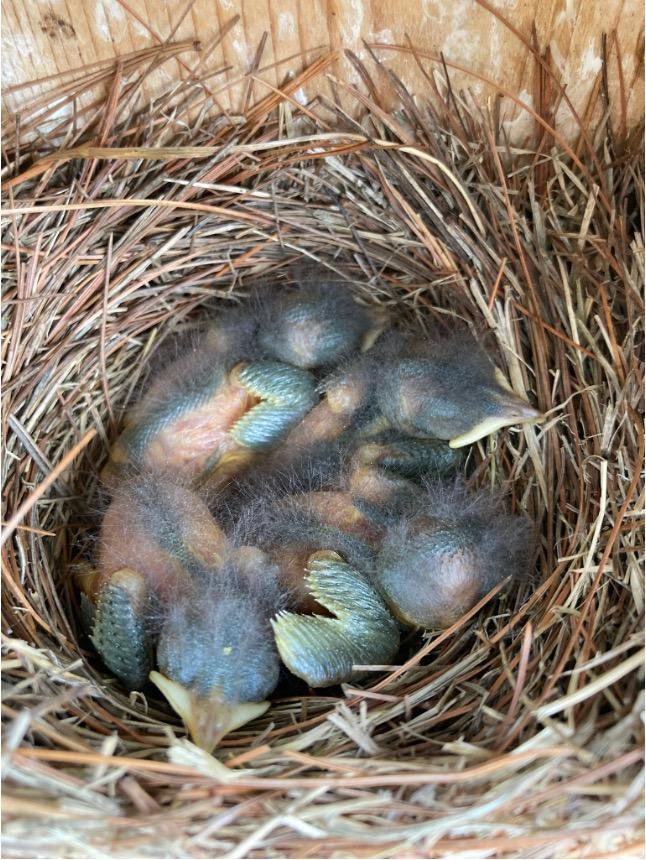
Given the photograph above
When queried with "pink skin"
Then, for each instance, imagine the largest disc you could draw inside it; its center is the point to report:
(195, 439)
(127, 541)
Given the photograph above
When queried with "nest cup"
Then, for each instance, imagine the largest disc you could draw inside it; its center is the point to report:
(518, 730)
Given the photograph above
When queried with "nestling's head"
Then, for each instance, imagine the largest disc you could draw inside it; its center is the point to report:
(316, 322)
(447, 387)
(435, 564)
(216, 654)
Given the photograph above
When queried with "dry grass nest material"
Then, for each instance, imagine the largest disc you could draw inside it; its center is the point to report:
(517, 732)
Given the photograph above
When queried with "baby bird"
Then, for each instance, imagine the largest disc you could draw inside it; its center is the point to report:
(342, 491)
(216, 654)
(437, 561)
(429, 553)
(170, 590)
(245, 382)
(153, 533)
(449, 388)
(214, 407)
(323, 532)
(316, 323)
(324, 649)
(444, 388)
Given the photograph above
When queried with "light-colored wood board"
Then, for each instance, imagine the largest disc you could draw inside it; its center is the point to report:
(43, 38)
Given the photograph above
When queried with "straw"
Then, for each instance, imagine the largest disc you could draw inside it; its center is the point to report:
(516, 733)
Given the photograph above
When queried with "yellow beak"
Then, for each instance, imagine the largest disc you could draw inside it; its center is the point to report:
(207, 718)
(518, 412)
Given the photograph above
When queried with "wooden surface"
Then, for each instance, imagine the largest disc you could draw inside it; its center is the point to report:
(43, 38)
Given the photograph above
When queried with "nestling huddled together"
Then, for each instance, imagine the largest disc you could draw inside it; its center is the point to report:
(289, 491)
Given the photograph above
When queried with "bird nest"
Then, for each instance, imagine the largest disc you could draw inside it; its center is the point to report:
(516, 732)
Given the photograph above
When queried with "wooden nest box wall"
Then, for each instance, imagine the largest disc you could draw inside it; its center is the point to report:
(251, 47)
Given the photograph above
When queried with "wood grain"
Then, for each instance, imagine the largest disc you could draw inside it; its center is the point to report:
(41, 39)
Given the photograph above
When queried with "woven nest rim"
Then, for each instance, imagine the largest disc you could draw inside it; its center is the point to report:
(529, 698)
